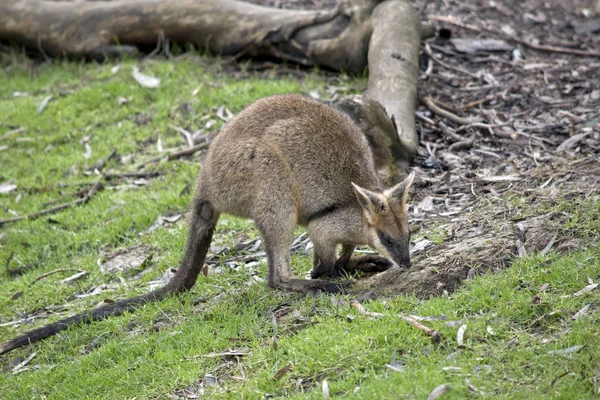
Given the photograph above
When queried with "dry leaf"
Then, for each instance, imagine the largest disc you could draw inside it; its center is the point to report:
(43, 104)
(501, 178)
(210, 380)
(581, 312)
(471, 46)
(145, 80)
(568, 350)
(7, 187)
(438, 391)
(88, 151)
(587, 289)
(325, 389)
(460, 334)
(279, 374)
(224, 114)
(73, 277)
(572, 141)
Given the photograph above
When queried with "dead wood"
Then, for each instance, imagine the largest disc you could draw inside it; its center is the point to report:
(394, 72)
(336, 39)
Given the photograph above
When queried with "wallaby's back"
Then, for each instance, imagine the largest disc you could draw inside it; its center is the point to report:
(287, 144)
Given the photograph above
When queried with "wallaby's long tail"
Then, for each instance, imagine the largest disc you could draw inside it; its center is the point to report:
(203, 222)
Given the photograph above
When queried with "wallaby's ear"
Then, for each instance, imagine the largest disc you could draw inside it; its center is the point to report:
(400, 191)
(371, 202)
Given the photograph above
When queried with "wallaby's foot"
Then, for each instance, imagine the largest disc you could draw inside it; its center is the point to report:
(332, 287)
(312, 286)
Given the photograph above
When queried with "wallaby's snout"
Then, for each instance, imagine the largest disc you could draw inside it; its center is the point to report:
(386, 220)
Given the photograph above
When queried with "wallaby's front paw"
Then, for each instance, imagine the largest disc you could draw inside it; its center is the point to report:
(319, 272)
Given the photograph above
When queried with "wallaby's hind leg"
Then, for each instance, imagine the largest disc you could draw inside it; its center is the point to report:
(278, 237)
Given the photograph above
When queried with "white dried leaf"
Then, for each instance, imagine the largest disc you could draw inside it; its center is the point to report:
(460, 334)
(472, 46)
(145, 80)
(88, 151)
(43, 104)
(438, 391)
(587, 289)
(224, 114)
(568, 350)
(325, 389)
(73, 277)
(501, 178)
(581, 312)
(7, 187)
(426, 204)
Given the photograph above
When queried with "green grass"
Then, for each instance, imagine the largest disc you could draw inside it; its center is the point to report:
(169, 346)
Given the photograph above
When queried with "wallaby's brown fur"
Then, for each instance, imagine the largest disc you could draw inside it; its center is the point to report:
(283, 161)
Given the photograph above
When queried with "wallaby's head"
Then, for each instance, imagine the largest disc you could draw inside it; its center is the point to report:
(387, 221)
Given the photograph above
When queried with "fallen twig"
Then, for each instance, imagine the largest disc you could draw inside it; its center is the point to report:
(136, 175)
(475, 103)
(450, 133)
(483, 126)
(447, 66)
(434, 108)
(98, 186)
(462, 145)
(435, 335)
(23, 363)
(56, 271)
(539, 47)
(176, 154)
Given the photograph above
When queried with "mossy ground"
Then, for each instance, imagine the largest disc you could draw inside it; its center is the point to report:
(514, 318)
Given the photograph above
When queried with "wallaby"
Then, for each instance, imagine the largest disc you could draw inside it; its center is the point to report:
(284, 161)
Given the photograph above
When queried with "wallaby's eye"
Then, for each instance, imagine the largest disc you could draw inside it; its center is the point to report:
(385, 239)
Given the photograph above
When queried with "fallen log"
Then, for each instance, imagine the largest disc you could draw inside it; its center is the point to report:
(335, 39)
